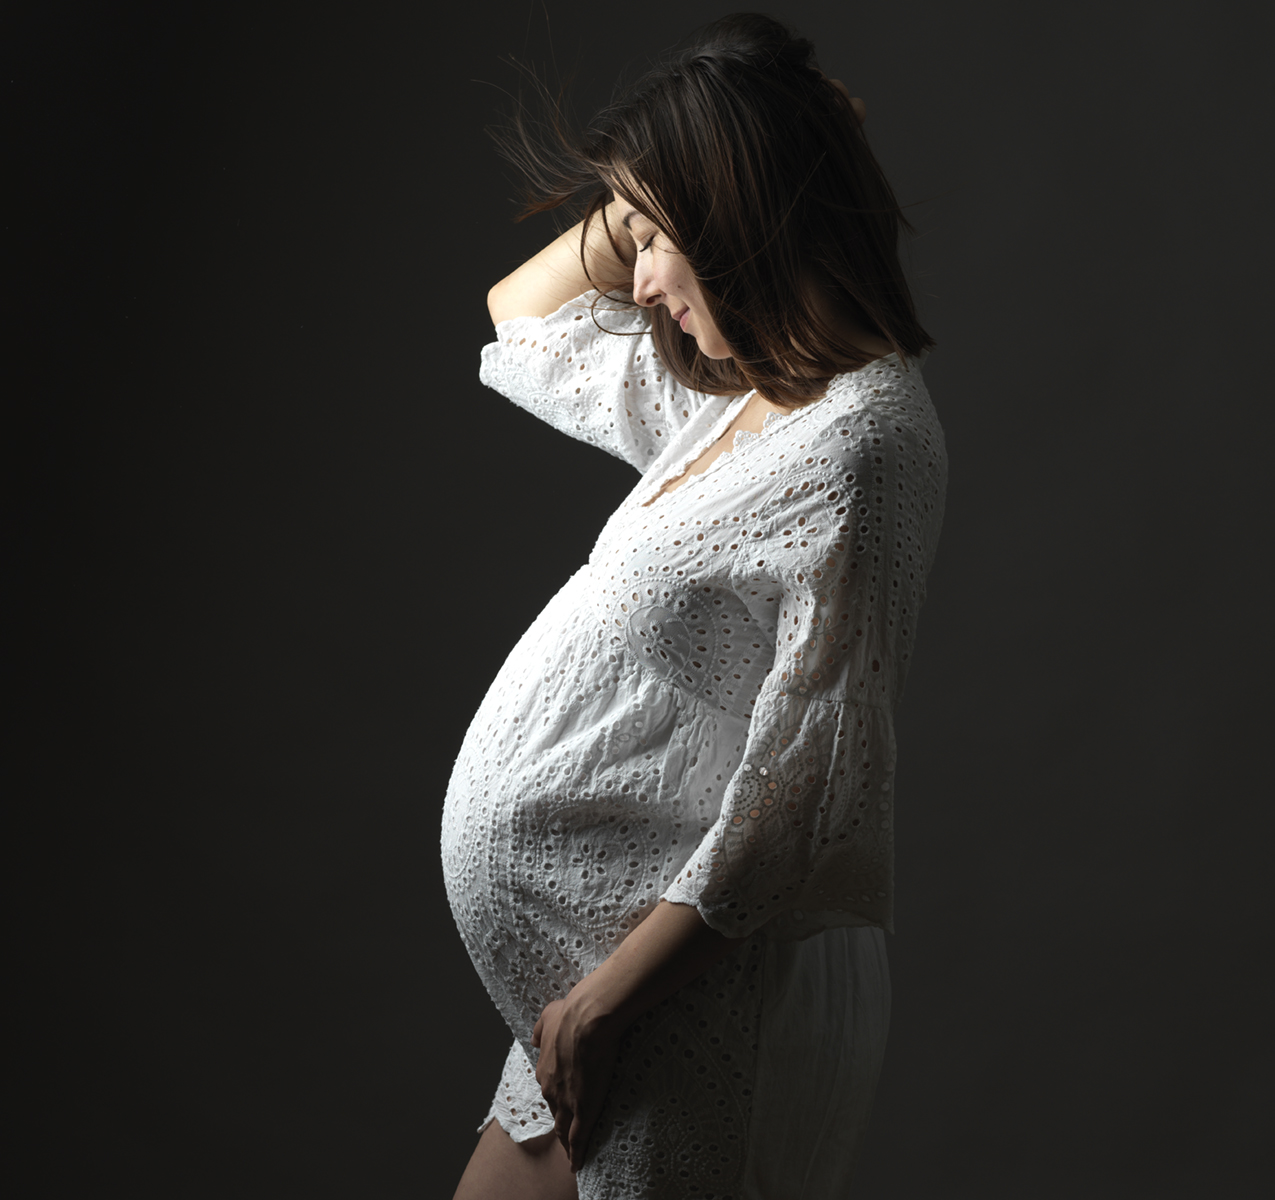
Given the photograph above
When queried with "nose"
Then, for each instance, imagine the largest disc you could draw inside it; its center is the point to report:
(645, 292)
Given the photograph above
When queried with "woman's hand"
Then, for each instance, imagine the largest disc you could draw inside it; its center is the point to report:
(860, 109)
(577, 1053)
(578, 1038)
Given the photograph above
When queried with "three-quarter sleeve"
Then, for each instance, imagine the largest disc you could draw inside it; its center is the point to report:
(605, 386)
(804, 839)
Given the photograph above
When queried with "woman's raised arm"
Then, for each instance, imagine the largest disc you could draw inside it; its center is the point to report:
(543, 284)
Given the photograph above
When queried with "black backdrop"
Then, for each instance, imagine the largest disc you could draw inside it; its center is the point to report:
(279, 539)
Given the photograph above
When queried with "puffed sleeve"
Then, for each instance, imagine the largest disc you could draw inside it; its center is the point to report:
(804, 840)
(605, 386)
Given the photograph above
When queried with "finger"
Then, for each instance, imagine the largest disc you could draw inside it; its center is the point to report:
(857, 105)
(535, 1033)
(577, 1140)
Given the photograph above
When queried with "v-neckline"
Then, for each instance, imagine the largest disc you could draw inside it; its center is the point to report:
(684, 462)
(719, 427)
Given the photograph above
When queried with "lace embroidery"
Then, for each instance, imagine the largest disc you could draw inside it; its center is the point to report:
(744, 436)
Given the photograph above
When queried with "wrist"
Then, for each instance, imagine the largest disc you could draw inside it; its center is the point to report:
(597, 1004)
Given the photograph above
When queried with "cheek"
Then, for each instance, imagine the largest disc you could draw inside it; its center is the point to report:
(687, 287)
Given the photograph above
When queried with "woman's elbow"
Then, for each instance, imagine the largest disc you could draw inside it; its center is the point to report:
(495, 303)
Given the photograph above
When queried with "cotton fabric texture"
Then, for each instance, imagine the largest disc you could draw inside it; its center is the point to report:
(704, 713)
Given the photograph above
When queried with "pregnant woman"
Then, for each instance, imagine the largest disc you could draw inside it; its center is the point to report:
(668, 836)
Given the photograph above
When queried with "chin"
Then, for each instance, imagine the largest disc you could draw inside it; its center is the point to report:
(713, 347)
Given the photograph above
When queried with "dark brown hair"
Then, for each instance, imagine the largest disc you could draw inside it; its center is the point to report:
(757, 170)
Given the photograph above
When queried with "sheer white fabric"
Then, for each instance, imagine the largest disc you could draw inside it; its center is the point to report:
(704, 713)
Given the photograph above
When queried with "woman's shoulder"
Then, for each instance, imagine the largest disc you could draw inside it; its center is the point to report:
(873, 422)
(885, 400)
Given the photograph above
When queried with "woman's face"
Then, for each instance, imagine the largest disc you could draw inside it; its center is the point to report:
(662, 276)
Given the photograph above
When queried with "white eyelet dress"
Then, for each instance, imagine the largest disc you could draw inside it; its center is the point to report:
(704, 714)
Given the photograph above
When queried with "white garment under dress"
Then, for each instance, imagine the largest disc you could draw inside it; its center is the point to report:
(704, 713)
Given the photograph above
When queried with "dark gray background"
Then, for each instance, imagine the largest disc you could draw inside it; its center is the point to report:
(280, 539)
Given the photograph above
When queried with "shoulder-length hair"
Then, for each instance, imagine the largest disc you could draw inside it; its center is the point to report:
(756, 168)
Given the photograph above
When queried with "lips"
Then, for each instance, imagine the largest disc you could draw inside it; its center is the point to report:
(681, 318)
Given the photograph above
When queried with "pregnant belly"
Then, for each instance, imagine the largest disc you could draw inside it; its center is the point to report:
(558, 840)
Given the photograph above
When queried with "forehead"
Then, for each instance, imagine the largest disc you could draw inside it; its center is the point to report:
(634, 199)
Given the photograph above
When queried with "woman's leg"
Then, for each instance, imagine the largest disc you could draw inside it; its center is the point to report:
(502, 1169)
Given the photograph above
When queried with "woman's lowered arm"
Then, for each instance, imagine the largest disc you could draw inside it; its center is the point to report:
(578, 1036)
